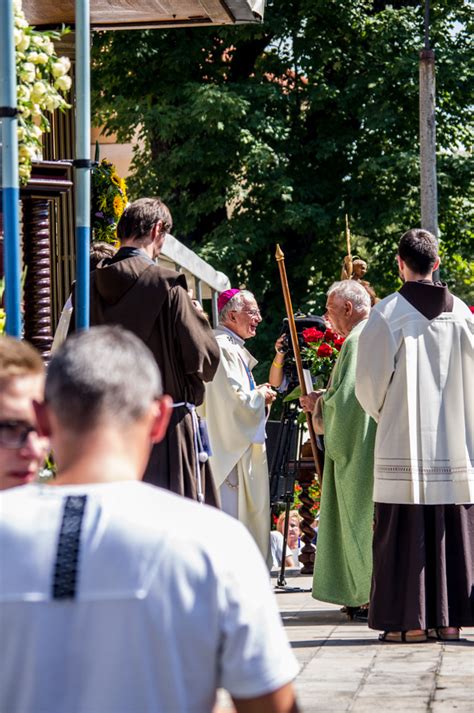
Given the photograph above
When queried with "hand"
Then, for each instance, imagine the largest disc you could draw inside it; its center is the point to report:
(280, 344)
(308, 402)
(268, 393)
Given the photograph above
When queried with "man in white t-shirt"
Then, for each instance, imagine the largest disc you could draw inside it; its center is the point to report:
(116, 596)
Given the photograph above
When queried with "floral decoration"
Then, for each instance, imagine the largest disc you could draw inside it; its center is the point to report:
(319, 356)
(109, 198)
(42, 82)
(315, 493)
(3, 315)
(321, 353)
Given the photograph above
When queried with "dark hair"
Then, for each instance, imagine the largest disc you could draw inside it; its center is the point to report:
(89, 380)
(98, 251)
(418, 248)
(139, 217)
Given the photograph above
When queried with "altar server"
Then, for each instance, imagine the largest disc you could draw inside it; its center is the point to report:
(415, 376)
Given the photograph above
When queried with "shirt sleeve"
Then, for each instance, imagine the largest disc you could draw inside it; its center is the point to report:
(196, 341)
(256, 656)
(375, 364)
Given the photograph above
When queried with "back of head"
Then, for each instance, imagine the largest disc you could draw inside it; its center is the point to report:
(352, 291)
(100, 250)
(139, 217)
(418, 249)
(104, 374)
(18, 359)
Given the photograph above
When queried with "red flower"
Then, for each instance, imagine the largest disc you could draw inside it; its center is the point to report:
(312, 335)
(338, 343)
(324, 350)
(330, 335)
(472, 308)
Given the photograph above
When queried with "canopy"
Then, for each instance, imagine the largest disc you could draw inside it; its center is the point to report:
(84, 15)
(132, 14)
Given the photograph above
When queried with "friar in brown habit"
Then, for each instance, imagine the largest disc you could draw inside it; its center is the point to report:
(130, 289)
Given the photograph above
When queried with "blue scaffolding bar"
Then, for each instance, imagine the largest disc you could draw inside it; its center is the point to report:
(10, 187)
(82, 164)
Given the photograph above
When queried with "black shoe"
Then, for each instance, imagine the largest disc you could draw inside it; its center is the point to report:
(361, 614)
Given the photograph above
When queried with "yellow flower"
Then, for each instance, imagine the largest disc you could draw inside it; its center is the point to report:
(118, 206)
(115, 179)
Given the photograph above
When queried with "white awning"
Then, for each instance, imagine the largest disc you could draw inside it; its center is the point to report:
(178, 254)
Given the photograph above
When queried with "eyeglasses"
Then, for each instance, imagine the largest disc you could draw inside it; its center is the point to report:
(252, 312)
(14, 434)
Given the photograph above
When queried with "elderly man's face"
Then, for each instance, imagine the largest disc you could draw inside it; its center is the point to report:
(245, 322)
(22, 450)
(339, 312)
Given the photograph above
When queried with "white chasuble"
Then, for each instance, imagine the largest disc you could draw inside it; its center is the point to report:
(235, 415)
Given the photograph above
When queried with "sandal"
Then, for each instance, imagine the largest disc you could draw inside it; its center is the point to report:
(444, 633)
(414, 636)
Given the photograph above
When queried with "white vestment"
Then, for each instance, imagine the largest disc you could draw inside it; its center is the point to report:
(235, 414)
(415, 377)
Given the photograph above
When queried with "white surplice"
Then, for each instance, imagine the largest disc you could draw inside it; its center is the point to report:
(235, 415)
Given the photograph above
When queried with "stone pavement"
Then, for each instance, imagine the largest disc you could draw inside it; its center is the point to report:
(345, 668)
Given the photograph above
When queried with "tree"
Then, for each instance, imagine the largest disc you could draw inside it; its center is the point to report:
(258, 135)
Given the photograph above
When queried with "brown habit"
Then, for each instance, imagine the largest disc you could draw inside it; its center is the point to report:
(151, 301)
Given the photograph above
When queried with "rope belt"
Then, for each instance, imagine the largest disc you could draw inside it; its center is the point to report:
(200, 453)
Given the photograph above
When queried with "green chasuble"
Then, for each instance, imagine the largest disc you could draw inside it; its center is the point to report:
(343, 566)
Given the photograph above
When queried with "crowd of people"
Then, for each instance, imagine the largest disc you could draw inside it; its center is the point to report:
(115, 585)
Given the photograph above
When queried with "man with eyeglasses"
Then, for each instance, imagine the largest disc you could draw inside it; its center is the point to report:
(132, 290)
(22, 450)
(235, 410)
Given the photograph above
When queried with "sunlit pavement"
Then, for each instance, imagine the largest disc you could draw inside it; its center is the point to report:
(345, 668)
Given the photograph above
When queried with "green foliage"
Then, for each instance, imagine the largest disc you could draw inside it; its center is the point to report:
(262, 134)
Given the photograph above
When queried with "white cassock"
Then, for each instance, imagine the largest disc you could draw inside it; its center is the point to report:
(235, 415)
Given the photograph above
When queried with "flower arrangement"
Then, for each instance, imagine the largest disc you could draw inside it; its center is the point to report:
(42, 81)
(319, 356)
(3, 316)
(109, 198)
(321, 353)
(315, 493)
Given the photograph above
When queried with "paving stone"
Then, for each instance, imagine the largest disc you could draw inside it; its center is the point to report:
(345, 668)
(370, 704)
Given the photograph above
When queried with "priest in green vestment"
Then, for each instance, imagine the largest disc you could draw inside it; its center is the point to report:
(343, 566)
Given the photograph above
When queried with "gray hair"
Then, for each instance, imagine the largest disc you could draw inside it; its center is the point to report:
(352, 291)
(236, 303)
(106, 372)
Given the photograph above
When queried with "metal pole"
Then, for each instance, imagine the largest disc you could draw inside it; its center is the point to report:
(215, 309)
(82, 163)
(10, 184)
(198, 284)
(428, 180)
